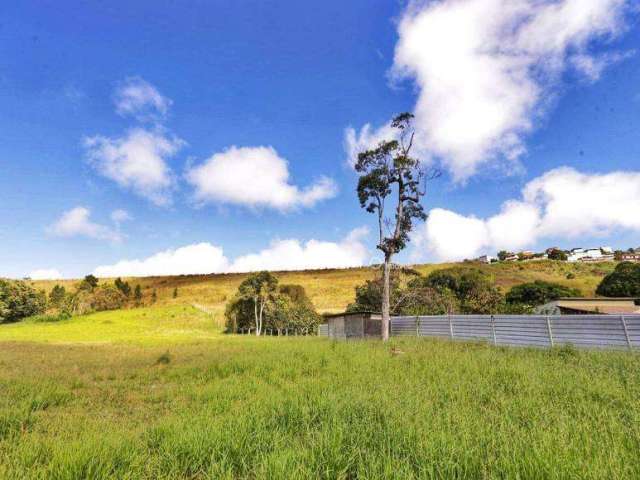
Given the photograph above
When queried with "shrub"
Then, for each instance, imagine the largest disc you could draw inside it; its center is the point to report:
(624, 281)
(539, 293)
(57, 295)
(49, 317)
(19, 300)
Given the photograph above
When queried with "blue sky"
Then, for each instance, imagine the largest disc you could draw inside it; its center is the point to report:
(88, 88)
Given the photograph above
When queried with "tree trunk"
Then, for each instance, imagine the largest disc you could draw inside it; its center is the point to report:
(385, 298)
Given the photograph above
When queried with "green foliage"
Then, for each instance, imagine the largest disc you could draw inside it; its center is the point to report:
(137, 294)
(154, 296)
(175, 292)
(124, 287)
(624, 281)
(474, 290)
(538, 293)
(88, 283)
(57, 295)
(19, 300)
(389, 169)
(286, 307)
(503, 254)
(103, 297)
(556, 254)
(49, 317)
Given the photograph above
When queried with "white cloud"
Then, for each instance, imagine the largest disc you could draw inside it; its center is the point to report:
(77, 223)
(368, 137)
(120, 216)
(191, 259)
(486, 70)
(253, 177)
(45, 274)
(137, 97)
(137, 161)
(562, 203)
(290, 254)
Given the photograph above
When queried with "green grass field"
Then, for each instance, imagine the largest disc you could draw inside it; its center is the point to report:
(160, 393)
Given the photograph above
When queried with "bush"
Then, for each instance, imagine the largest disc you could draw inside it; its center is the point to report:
(49, 317)
(624, 281)
(539, 293)
(286, 307)
(103, 297)
(19, 300)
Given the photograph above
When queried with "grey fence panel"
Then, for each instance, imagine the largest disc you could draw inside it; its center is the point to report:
(590, 331)
(520, 330)
(633, 329)
(471, 327)
(323, 330)
(404, 326)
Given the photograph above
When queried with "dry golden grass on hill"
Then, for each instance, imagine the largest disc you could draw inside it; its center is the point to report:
(332, 289)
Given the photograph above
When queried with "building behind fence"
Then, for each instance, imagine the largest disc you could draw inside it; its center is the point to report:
(621, 331)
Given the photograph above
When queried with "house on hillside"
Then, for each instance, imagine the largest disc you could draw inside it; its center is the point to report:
(586, 306)
(601, 254)
(485, 259)
(630, 257)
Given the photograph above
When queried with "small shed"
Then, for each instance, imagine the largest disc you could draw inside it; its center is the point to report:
(354, 325)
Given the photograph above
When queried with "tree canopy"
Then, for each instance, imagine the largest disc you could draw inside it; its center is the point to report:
(624, 281)
(539, 292)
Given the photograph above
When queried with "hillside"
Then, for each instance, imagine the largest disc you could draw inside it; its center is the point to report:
(332, 289)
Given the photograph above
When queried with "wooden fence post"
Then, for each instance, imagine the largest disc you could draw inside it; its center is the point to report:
(549, 330)
(626, 332)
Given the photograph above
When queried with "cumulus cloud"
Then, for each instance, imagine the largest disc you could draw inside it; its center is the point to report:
(290, 254)
(138, 98)
(486, 69)
(137, 161)
(45, 274)
(254, 177)
(562, 203)
(191, 259)
(77, 223)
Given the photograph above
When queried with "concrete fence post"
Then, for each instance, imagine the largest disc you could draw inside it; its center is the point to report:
(549, 330)
(417, 326)
(626, 332)
(450, 326)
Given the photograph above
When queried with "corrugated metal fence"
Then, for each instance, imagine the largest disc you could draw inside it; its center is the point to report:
(621, 331)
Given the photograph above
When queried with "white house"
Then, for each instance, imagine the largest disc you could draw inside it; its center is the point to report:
(601, 254)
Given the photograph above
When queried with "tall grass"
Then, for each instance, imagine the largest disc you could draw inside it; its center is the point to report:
(241, 407)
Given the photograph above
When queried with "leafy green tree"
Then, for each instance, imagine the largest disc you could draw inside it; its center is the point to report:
(124, 287)
(137, 294)
(624, 281)
(88, 283)
(475, 291)
(57, 295)
(556, 254)
(260, 289)
(502, 255)
(538, 293)
(389, 172)
(19, 300)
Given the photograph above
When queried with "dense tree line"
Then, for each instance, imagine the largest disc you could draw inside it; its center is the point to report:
(19, 300)
(461, 290)
(261, 303)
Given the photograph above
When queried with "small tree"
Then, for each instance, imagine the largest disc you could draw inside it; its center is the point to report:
(260, 288)
(56, 296)
(556, 254)
(124, 287)
(175, 292)
(624, 281)
(502, 255)
(137, 294)
(154, 296)
(386, 171)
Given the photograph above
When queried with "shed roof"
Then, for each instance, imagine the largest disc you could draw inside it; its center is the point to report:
(346, 314)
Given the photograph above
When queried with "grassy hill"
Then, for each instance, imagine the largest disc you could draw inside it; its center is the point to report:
(332, 289)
